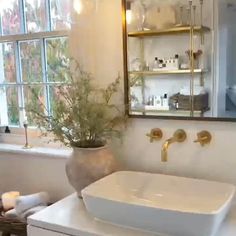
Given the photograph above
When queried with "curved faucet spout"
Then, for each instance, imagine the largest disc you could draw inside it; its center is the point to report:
(165, 147)
(179, 137)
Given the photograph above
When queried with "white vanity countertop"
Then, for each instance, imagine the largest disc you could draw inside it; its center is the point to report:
(69, 216)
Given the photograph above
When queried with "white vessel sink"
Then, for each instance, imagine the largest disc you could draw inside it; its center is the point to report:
(161, 204)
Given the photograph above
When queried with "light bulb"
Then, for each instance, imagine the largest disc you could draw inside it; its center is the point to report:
(78, 6)
(128, 16)
(128, 13)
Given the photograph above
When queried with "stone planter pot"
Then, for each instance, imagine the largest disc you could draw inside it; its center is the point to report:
(87, 165)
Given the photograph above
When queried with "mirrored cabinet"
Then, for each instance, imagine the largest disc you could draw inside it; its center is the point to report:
(179, 58)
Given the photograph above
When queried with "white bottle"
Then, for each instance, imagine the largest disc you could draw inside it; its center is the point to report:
(155, 64)
(165, 102)
(176, 62)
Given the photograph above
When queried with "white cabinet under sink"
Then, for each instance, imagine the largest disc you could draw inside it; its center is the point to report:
(35, 231)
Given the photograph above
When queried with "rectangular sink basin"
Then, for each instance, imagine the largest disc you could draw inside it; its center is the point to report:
(162, 204)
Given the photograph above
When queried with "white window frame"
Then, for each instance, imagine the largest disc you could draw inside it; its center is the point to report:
(19, 84)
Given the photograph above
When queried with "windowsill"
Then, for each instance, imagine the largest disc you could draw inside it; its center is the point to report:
(41, 146)
(15, 130)
(44, 152)
(17, 137)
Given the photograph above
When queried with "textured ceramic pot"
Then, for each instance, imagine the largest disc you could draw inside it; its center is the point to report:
(87, 165)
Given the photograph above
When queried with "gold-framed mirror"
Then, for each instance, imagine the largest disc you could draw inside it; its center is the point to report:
(179, 59)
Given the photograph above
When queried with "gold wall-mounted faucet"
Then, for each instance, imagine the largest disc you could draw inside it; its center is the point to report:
(155, 135)
(204, 137)
(178, 137)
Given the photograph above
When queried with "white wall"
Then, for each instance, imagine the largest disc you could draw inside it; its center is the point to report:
(102, 52)
(29, 174)
(218, 161)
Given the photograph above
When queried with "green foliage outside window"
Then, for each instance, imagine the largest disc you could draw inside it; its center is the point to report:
(13, 110)
(35, 67)
(57, 58)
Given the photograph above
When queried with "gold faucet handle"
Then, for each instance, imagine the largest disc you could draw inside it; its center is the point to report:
(179, 136)
(155, 135)
(204, 137)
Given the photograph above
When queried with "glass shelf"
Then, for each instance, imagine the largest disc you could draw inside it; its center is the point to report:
(170, 31)
(167, 72)
(179, 113)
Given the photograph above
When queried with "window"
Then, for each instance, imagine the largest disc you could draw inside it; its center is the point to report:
(33, 51)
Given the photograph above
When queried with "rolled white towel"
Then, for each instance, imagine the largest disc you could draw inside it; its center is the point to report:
(11, 214)
(31, 211)
(24, 203)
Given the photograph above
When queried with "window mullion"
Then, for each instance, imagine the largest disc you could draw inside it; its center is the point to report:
(48, 15)
(45, 77)
(19, 81)
(22, 16)
(33, 36)
(20, 84)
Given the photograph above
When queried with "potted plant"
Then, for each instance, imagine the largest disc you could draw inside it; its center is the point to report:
(84, 118)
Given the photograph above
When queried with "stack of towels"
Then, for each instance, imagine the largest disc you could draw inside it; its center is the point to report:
(26, 206)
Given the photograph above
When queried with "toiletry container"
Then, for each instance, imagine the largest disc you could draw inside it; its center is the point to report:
(176, 62)
(158, 102)
(165, 102)
(155, 64)
(161, 64)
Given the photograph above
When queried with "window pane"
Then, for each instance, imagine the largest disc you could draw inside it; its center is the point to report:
(53, 97)
(12, 105)
(61, 14)
(10, 17)
(35, 13)
(9, 70)
(57, 58)
(30, 53)
(34, 100)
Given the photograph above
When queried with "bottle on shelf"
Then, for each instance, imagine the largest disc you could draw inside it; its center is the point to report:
(161, 64)
(136, 64)
(176, 62)
(172, 63)
(147, 66)
(157, 102)
(165, 101)
(155, 64)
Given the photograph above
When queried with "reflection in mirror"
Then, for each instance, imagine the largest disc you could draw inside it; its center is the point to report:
(226, 60)
(180, 58)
